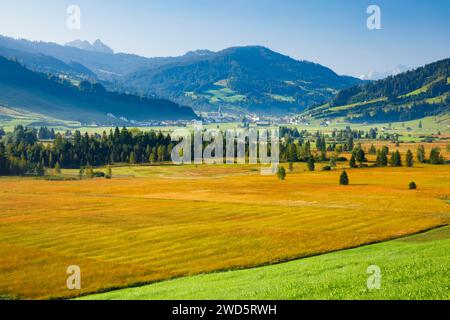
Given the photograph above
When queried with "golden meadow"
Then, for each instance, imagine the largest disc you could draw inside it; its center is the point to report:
(152, 223)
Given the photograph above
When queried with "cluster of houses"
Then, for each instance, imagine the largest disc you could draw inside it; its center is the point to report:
(219, 117)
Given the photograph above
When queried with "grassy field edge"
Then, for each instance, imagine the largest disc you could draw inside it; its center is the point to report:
(105, 293)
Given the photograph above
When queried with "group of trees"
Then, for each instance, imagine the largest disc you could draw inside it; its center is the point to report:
(358, 156)
(436, 156)
(383, 159)
(21, 153)
(300, 150)
(10, 163)
(395, 159)
(343, 179)
(15, 167)
(45, 134)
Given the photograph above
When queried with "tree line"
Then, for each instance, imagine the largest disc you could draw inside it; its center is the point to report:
(22, 152)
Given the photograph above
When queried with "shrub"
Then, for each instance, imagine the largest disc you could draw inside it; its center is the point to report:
(108, 172)
(412, 186)
(291, 167)
(40, 170)
(333, 162)
(89, 173)
(326, 168)
(57, 168)
(281, 173)
(99, 175)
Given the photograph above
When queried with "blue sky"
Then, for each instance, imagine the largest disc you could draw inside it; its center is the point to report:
(330, 32)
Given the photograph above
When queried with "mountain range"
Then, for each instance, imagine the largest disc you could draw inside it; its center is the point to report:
(104, 66)
(240, 79)
(97, 46)
(414, 94)
(377, 75)
(237, 80)
(29, 91)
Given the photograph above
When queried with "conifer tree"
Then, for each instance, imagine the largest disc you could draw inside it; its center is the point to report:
(132, 158)
(360, 156)
(89, 172)
(311, 163)
(352, 161)
(409, 159)
(421, 154)
(57, 168)
(384, 156)
(435, 156)
(351, 144)
(40, 170)
(343, 180)
(396, 159)
(161, 153)
(152, 158)
(281, 173)
(378, 160)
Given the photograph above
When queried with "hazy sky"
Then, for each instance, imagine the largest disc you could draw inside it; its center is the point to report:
(330, 32)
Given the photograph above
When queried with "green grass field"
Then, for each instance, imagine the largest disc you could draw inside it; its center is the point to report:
(9, 118)
(415, 267)
(430, 126)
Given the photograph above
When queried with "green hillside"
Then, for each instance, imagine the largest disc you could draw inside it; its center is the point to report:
(47, 64)
(239, 79)
(415, 267)
(408, 96)
(21, 88)
(251, 78)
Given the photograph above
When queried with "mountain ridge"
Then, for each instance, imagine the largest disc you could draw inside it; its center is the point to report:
(411, 95)
(88, 102)
(261, 80)
(251, 78)
(96, 46)
(377, 75)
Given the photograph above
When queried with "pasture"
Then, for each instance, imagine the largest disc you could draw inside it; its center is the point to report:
(154, 223)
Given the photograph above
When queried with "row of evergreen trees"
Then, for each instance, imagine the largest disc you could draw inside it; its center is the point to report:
(395, 159)
(22, 153)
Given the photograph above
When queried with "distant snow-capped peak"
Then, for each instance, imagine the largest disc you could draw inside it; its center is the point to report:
(374, 75)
